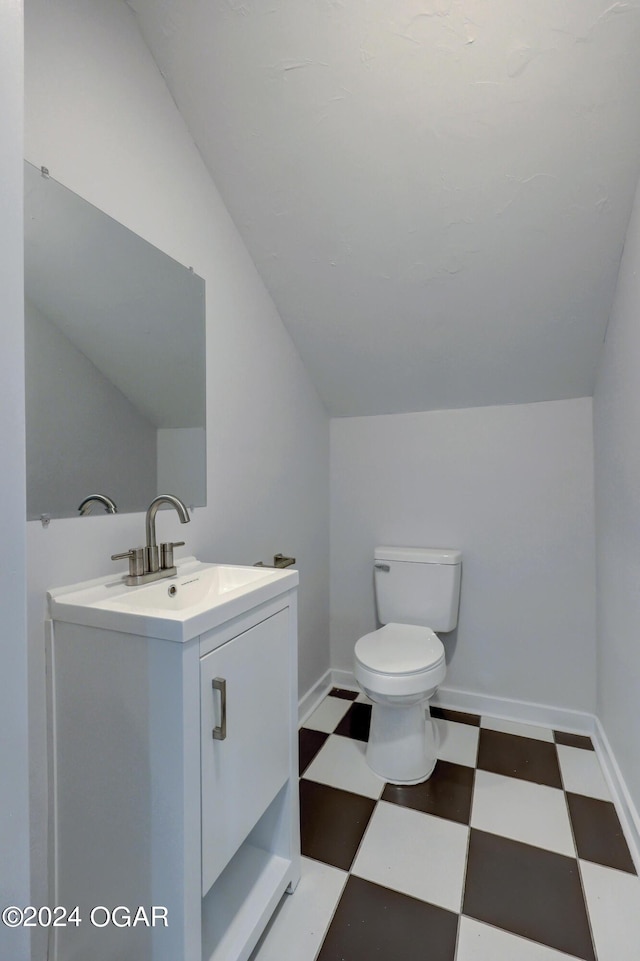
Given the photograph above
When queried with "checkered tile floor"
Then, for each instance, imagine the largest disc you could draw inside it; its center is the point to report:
(511, 851)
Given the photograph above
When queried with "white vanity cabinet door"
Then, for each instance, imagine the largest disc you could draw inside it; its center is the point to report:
(242, 774)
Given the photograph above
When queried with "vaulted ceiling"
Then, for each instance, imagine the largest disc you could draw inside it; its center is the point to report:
(435, 192)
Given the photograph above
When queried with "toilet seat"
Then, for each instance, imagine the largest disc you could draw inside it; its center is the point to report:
(400, 659)
(400, 649)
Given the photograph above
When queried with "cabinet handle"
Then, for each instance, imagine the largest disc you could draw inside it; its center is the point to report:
(219, 733)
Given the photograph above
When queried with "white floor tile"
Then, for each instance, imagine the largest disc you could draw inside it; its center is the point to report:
(581, 772)
(613, 902)
(458, 742)
(515, 727)
(531, 813)
(418, 854)
(482, 942)
(298, 928)
(328, 715)
(363, 699)
(341, 763)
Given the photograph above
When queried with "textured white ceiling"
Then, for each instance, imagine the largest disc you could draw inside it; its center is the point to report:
(435, 192)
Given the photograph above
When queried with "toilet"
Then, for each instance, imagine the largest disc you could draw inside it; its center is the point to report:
(400, 666)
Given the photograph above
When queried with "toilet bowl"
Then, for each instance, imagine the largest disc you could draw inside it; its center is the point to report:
(399, 667)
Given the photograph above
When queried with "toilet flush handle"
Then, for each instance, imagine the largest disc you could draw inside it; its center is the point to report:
(382, 567)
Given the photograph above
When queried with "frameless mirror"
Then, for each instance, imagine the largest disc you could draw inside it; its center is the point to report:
(115, 361)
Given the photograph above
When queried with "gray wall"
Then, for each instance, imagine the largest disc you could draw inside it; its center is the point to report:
(617, 486)
(512, 487)
(14, 810)
(99, 116)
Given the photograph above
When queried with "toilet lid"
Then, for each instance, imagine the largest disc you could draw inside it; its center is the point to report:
(400, 649)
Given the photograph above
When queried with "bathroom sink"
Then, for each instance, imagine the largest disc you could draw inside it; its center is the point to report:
(199, 597)
(178, 594)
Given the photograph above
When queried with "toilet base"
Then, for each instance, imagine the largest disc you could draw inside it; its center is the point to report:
(403, 742)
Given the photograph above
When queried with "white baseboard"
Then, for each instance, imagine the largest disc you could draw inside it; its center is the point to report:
(527, 712)
(543, 715)
(309, 701)
(627, 811)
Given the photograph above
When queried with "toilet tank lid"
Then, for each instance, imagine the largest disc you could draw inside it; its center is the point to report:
(419, 555)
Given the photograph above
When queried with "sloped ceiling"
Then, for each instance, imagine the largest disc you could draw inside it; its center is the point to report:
(435, 192)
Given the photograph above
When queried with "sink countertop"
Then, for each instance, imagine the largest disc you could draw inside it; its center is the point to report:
(206, 596)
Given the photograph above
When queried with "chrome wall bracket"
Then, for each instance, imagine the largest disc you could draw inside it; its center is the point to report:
(279, 561)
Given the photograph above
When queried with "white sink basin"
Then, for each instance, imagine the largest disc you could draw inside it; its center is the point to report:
(198, 598)
(206, 586)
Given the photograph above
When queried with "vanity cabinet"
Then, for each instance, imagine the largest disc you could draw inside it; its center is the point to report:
(244, 767)
(148, 807)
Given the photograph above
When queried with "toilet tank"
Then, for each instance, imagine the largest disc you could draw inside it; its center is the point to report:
(418, 585)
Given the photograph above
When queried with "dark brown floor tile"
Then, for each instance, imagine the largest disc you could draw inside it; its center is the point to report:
(516, 756)
(529, 891)
(343, 693)
(598, 833)
(459, 716)
(447, 793)
(309, 743)
(375, 922)
(574, 740)
(332, 823)
(356, 722)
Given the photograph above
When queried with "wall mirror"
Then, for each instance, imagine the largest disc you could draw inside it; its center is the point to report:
(115, 361)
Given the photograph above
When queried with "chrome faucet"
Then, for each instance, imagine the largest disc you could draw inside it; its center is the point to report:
(152, 560)
(109, 506)
(150, 563)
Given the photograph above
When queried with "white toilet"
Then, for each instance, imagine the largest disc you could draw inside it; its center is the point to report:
(400, 665)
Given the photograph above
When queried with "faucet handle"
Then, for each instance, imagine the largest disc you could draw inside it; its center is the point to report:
(166, 553)
(136, 560)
